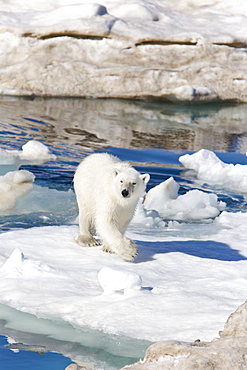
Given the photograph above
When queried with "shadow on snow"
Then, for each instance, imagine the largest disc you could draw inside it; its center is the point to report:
(198, 248)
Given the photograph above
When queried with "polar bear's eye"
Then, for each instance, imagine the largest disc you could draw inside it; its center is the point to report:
(121, 181)
(134, 184)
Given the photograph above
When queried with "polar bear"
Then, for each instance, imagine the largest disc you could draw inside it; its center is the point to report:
(107, 192)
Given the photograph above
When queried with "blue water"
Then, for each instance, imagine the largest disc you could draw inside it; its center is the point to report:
(151, 135)
(23, 359)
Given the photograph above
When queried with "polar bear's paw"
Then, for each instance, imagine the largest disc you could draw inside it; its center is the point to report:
(126, 249)
(106, 249)
(87, 241)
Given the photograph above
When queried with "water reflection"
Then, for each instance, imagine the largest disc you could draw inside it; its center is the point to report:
(93, 124)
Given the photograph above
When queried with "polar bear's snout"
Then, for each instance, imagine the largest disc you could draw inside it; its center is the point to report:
(128, 189)
(126, 193)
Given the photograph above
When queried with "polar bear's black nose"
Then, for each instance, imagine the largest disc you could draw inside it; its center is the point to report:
(125, 193)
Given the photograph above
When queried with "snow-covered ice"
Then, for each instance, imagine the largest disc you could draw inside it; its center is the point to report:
(35, 151)
(181, 51)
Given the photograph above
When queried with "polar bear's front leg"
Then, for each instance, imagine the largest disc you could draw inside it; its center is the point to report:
(113, 241)
(86, 241)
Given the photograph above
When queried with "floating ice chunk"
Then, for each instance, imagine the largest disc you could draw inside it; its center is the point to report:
(195, 205)
(116, 279)
(201, 160)
(212, 170)
(19, 177)
(35, 150)
(14, 186)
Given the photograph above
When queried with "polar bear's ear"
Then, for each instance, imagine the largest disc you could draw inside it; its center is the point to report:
(145, 178)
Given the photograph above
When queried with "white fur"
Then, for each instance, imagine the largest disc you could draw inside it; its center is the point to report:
(100, 182)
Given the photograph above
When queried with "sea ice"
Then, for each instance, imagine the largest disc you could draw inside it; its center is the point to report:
(194, 205)
(209, 271)
(210, 169)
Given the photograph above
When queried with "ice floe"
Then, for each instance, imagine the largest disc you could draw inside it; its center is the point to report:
(194, 205)
(211, 170)
(45, 273)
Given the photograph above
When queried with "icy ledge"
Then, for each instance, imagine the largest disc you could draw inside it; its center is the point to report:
(180, 51)
(227, 352)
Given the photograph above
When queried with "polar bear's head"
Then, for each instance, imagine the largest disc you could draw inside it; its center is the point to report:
(129, 183)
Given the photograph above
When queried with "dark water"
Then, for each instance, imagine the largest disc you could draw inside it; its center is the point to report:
(151, 135)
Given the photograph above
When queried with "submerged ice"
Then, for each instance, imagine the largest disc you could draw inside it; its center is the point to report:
(13, 187)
